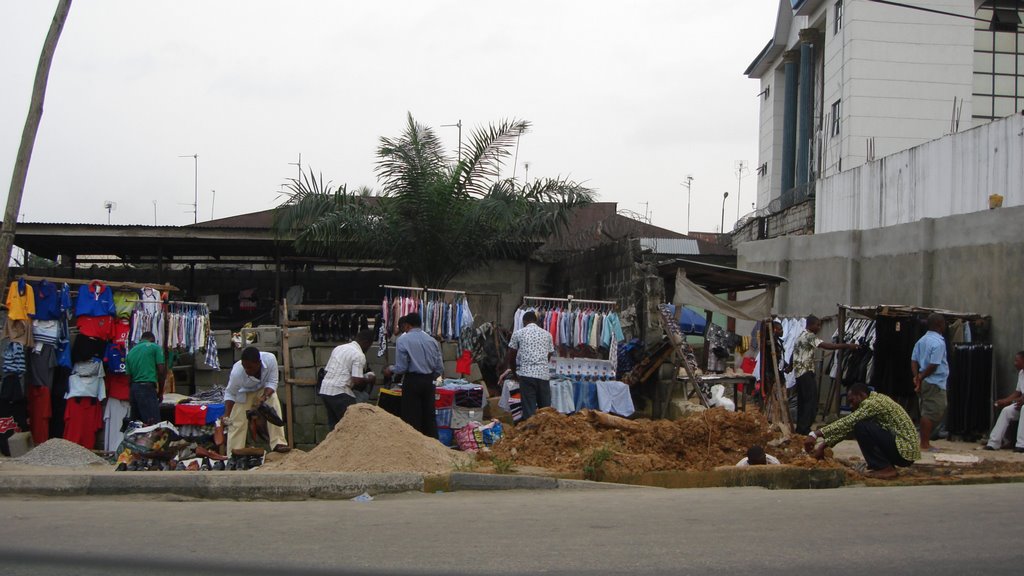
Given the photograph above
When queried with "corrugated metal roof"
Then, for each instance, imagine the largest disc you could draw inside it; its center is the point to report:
(679, 246)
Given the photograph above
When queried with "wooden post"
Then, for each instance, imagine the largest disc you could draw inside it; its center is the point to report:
(28, 137)
(705, 355)
(779, 389)
(286, 355)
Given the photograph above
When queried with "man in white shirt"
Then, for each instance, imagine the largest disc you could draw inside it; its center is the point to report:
(344, 376)
(253, 380)
(1010, 411)
(529, 357)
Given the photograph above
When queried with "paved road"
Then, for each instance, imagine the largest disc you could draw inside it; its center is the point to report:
(923, 530)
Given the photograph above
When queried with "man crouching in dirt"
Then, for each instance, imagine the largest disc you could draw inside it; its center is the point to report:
(883, 429)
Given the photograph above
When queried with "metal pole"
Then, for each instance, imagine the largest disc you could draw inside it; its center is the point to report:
(688, 184)
(722, 229)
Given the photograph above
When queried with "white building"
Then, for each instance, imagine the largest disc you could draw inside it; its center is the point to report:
(844, 82)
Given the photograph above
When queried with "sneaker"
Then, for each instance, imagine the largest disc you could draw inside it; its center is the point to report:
(987, 447)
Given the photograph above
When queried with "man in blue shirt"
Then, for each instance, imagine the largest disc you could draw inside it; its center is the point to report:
(418, 358)
(930, 368)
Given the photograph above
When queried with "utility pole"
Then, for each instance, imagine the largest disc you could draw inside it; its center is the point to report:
(741, 168)
(722, 229)
(688, 184)
(213, 203)
(459, 126)
(299, 164)
(28, 137)
(195, 187)
(154, 212)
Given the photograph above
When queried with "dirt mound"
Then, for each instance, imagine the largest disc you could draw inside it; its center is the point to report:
(622, 447)
(368, 439)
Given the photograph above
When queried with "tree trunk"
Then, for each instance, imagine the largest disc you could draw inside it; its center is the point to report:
(28, 138)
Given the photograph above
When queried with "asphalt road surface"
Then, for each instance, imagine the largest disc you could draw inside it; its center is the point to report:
(921, 530)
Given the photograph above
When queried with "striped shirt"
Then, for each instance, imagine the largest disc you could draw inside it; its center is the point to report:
(347, 361)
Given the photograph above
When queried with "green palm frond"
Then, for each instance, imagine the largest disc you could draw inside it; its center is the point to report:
(434, 217)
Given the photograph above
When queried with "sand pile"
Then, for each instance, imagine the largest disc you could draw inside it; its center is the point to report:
(701, 442)
(59, 452)
(368, 439)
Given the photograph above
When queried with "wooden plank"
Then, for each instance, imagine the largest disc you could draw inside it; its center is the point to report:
(286, 353)
(301, 381)
(337, 307)
(112, 284)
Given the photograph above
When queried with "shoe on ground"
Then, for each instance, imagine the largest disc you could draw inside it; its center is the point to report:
(284, 449)
(1018, 450)
(987, 447)
(883, 474)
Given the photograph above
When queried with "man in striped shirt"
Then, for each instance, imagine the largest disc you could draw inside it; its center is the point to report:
(883, 429)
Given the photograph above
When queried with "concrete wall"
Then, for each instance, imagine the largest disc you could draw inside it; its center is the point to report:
(952, 175)
(966, 263)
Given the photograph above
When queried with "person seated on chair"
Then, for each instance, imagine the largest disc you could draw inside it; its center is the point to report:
(1010, 411)
(883, 429)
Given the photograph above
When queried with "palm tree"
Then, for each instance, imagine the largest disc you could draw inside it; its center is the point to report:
(433, 218)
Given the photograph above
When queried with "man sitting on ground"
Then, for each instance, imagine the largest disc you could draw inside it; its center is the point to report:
(883, 429)
(1010, 411)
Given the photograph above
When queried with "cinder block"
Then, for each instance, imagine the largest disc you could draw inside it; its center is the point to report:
(298, 337)
(449, 351)
(303, 395)
(321, 413)
(304, 414)
(226, 358)
(21, 442)
(223, 339)
(305, 374)
(209, 378)
(199, 361)
(321, 354)
(321, 432)
(304, 433)
(267, 335)
(302, 357)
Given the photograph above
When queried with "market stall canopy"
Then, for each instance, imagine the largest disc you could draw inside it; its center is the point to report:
(690, 321)
(903, 310)
(697, 283)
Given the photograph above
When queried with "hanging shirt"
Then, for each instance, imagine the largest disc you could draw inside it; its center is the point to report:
(86, 381)
(612, 330)
(21, 301)
(95, 299)
(48, 301)
(124, 302)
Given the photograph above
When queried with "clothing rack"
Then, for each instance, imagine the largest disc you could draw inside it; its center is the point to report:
(81, 282)
(405, 288)
(569, 300)
(438, 290)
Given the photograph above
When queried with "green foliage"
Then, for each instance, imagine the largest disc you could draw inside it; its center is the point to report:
(502, 466)
(433, 218)
(593, 466)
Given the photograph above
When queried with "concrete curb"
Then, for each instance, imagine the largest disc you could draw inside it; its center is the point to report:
(212, 485)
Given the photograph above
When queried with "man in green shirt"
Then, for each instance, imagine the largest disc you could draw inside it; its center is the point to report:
(883, 429)
(146, 371)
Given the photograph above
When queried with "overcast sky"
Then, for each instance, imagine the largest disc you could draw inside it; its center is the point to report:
(629, 97)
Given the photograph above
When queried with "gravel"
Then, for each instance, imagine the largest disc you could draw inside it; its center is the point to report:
(61, 453)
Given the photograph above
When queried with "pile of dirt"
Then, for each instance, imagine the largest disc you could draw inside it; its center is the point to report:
(368, 439)
(566, 443)
(630, 447)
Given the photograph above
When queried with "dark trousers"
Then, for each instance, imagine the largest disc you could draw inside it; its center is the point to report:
(336, 406)
(418, 403)
(806, 402)
(878, 445)
(536, 394)
(144, 402)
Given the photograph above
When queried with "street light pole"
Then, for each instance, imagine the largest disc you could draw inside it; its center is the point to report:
(195, 187)
(722, 229)
(688, 184)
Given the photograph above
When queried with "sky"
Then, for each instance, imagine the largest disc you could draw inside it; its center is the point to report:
(627, 97)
